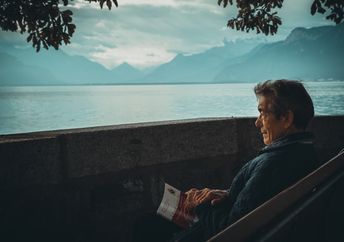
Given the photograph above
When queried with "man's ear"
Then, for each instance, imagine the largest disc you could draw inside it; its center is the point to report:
(288, 119)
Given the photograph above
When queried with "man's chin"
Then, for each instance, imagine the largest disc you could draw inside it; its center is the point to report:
(266, 142)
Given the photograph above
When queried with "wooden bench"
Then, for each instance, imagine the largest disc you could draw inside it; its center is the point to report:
(310, 210)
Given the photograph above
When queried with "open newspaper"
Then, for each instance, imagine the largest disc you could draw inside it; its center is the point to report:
(174, 207)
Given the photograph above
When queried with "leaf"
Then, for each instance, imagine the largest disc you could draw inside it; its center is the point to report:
(116, 3)
(339, 19)
(38, 47)
(321, 10)
(71, 29)
(313, 8)
(29, 38)
(68, 12)
(65, 38)
(109, 4)
(45, 45)
(225, 3)
(34, 39)
(331, 16)
(279, 4)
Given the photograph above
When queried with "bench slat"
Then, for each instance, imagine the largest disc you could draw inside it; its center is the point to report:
(249, 224)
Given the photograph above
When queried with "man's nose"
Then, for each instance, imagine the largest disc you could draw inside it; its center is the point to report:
(258, 123)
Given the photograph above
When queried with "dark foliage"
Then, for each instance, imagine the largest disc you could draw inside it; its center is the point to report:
(43, 20)
(47, 25)
(261, 15)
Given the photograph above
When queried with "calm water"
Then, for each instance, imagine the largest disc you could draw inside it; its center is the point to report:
(27, 109)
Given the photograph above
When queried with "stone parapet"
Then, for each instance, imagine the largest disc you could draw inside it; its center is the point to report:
(90, 184)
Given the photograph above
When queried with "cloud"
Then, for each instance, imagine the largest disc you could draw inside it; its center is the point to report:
(151, 3)
(160, 28)
(151, 32)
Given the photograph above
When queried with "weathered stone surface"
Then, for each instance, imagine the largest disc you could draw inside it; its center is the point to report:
(92, 153)
(31, 161)
(91, 184)
(329, 133)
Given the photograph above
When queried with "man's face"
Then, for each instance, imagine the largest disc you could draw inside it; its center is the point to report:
(270, 127)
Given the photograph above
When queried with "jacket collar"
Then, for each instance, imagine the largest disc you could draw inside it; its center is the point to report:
(300, 137)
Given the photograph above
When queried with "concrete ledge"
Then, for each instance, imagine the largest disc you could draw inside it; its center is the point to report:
(329, 132)
(49, 157)
(52, 157)
(30, 162)
(107, 151)
(90, 184)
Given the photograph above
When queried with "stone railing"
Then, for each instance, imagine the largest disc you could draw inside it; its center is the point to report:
(90, 184)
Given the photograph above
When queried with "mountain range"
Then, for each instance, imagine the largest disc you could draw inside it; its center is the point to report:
(308, 54)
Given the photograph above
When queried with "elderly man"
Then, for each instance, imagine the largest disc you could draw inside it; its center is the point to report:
(285, 109)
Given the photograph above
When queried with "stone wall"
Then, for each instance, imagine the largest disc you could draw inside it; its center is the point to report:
(90, 184)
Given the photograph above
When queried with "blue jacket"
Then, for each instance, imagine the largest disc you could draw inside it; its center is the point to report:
(277, 166)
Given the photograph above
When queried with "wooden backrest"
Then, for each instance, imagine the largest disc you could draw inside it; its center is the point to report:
(249, 227)
(318, 217)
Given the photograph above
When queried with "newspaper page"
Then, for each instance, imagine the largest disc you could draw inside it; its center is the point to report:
(174, 207)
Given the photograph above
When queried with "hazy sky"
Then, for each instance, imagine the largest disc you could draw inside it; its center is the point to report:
(145, 33)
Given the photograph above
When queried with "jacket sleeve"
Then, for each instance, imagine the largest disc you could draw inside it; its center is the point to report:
(251, 193)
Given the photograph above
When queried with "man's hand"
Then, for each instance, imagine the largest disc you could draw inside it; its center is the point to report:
(194, 197)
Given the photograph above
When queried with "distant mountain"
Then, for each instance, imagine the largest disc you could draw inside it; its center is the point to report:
(307, 54)
(58, 68)
(201, 67)
(125, 73)
(16, 73)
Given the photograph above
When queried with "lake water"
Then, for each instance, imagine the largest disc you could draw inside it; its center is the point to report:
(28, 109)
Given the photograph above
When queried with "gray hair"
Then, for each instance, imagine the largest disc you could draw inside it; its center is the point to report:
(288, 95)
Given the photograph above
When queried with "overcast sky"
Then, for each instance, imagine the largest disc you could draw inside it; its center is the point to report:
(146, 33)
